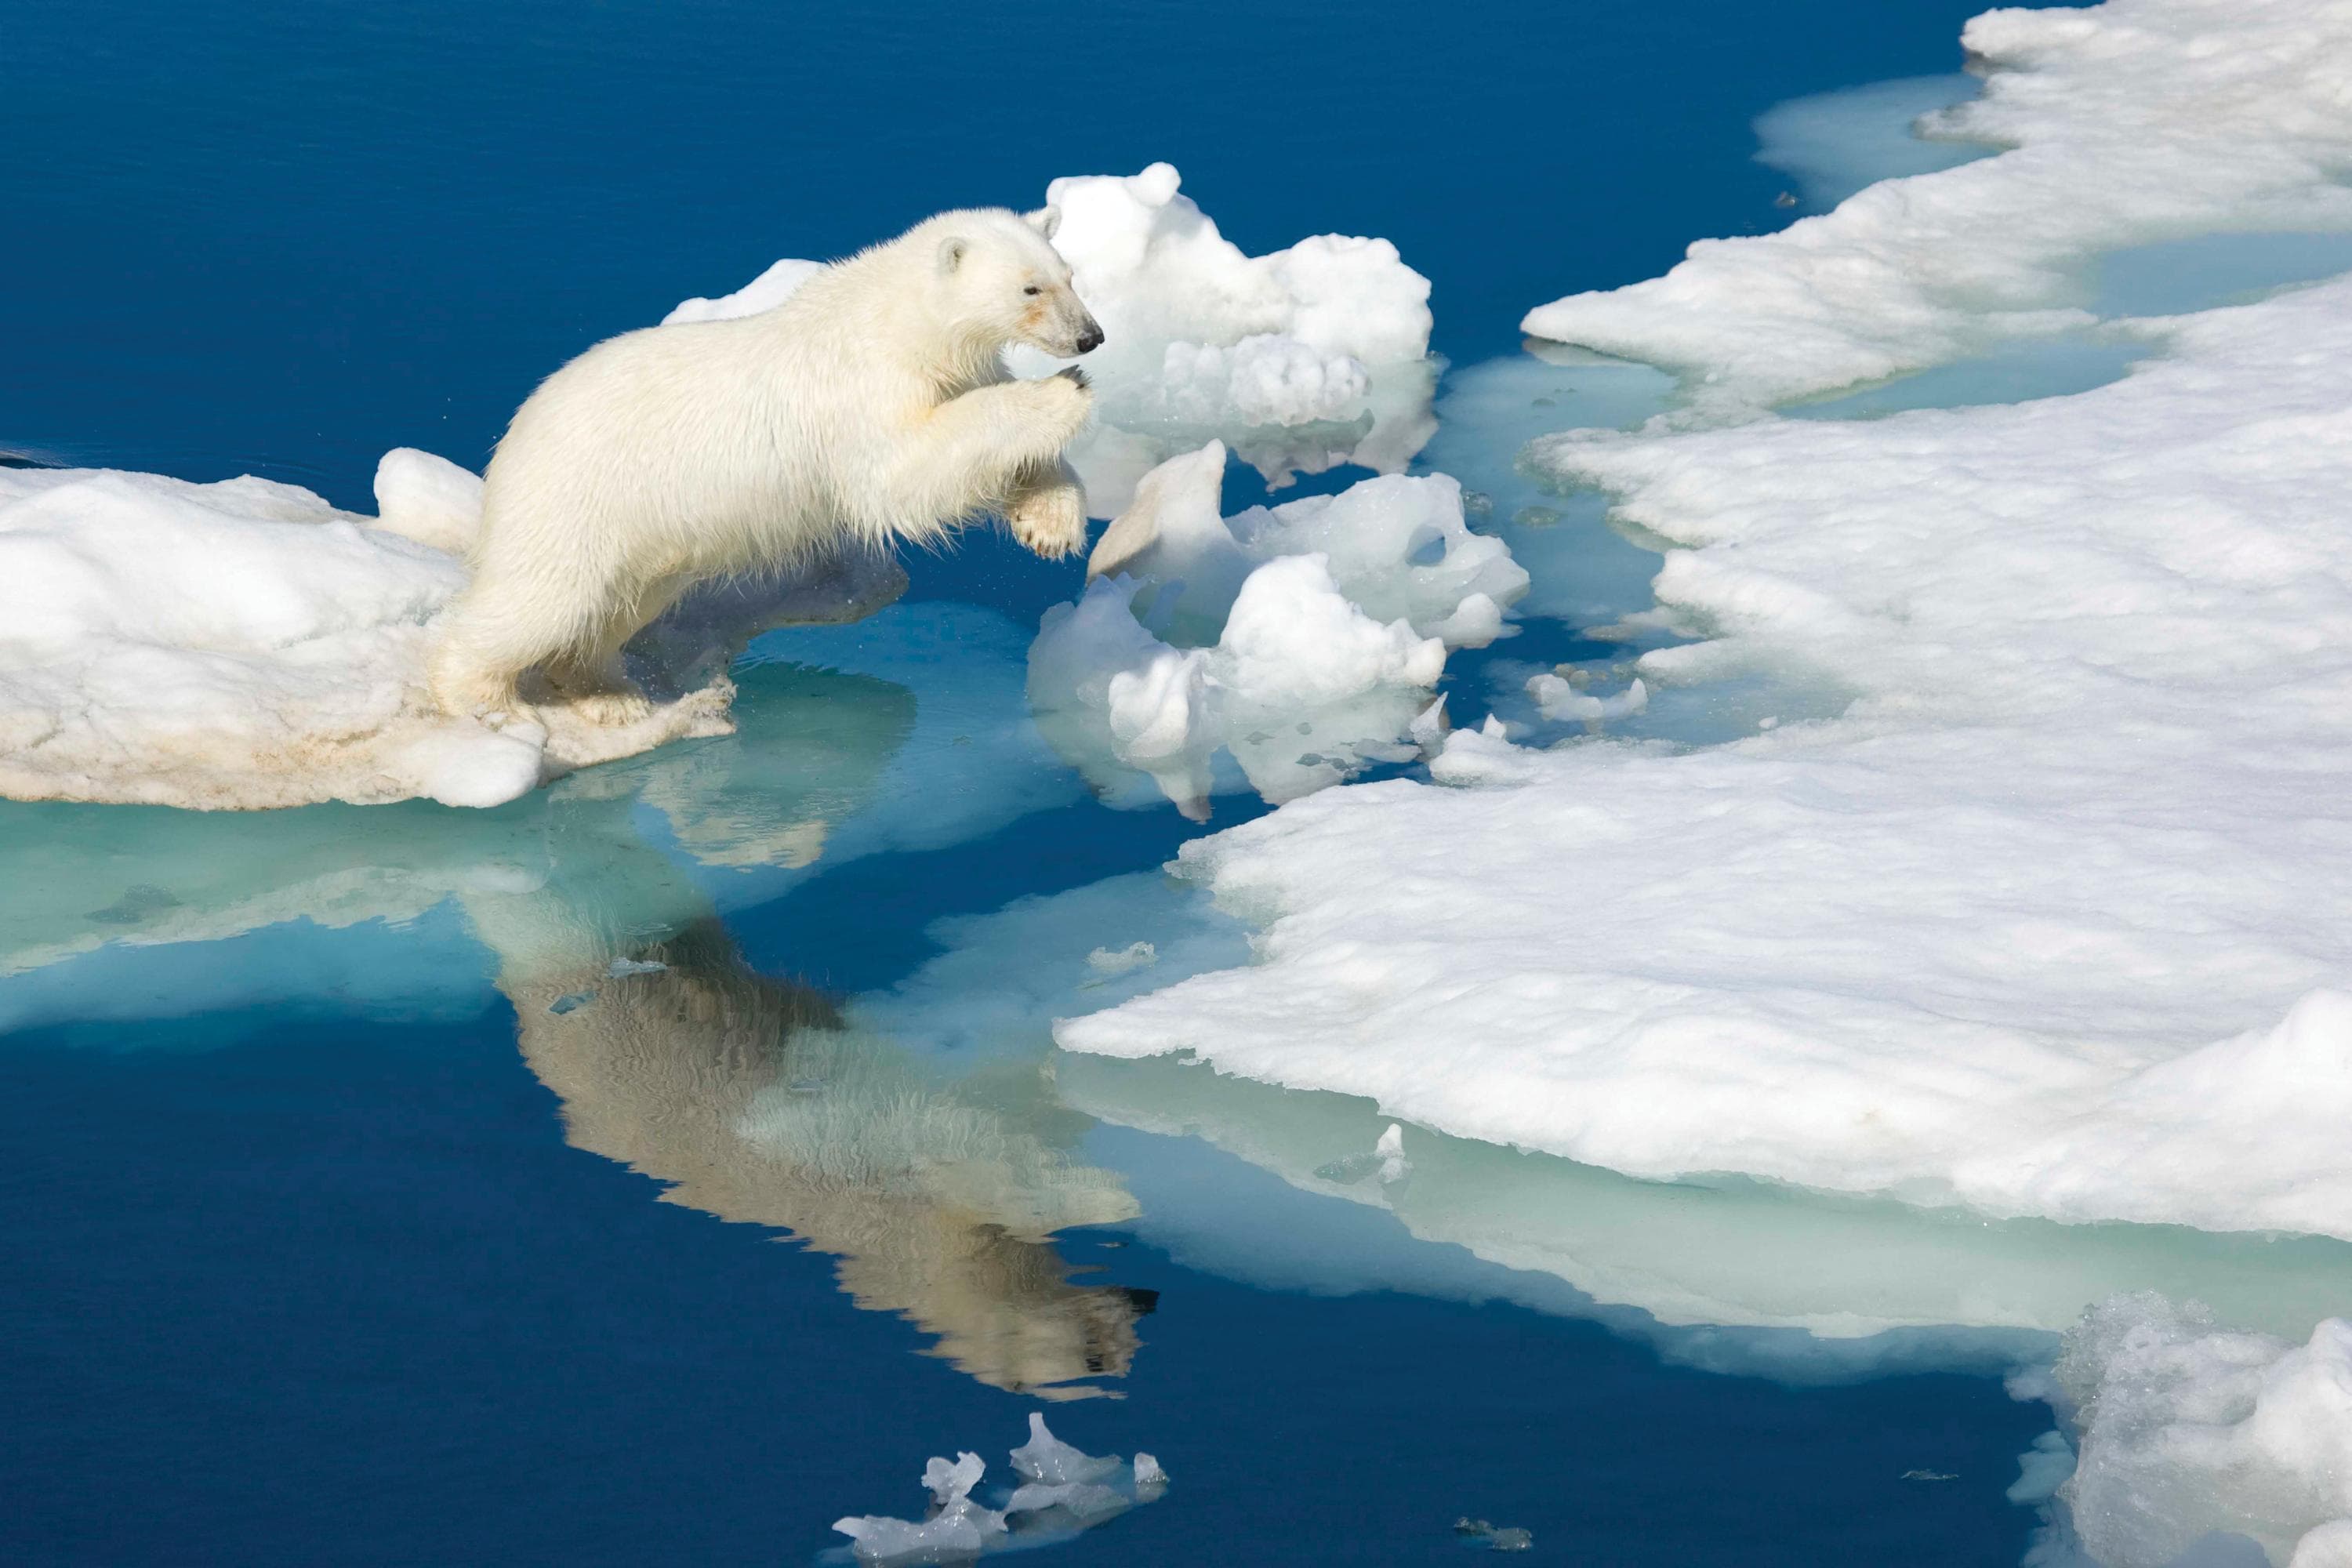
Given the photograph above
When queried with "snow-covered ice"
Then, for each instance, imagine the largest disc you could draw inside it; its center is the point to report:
(1304, 638)
(2128, 122)
(243, 645)
(2187, 1439)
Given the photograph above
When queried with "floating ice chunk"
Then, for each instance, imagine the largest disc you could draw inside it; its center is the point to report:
(1118, 961)
(1301, 637)
(1047, 1459)
(1302, 324)
(1150, 1480)
(2137, 121)
(962, 1529)
(621, 968)
(1557, 699)
(2186, 1432)
(771, 288)
(947, 1482)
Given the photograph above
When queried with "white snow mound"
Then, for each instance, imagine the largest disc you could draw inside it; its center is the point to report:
(2127, 122)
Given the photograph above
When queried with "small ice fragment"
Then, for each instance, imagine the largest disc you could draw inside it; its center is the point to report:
(1045, 1458)
(622, 968)
(962, 1529)
(1429, 725)
(947, 1481)
(1929, 1475)
(1389, 1152)
(1118, 961)
(1534, 517)
(1770, 721)
(1479, 1532)
(572, 1001)
(1150, 1480)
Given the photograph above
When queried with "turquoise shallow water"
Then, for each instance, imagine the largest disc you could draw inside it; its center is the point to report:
(659, 1167)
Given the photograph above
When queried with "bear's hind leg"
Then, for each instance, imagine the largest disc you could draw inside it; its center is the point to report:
(1049, 510)
(595, 684)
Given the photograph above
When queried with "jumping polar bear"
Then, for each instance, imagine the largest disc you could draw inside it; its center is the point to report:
(873, 406)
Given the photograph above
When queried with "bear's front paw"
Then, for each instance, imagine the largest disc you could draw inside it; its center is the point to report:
(1067, 399)
(1051, 521)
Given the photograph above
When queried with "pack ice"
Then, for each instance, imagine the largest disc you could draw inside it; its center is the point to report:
(244, 644)
(1301, 360)
(1303, 638)
(2050, 920)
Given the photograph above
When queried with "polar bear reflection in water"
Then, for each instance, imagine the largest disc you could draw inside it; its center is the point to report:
(747, 1094)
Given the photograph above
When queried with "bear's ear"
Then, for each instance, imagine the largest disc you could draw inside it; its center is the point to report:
(1045, 220)
(951, 251)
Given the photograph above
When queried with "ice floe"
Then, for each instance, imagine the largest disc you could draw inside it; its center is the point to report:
(1064, 1491)
(2132, 122)
(243, 645)
(2048, 923)
(1303, 638)
(2193, 1444)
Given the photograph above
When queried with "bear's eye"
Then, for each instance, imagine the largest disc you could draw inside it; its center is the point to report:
(1033, 289)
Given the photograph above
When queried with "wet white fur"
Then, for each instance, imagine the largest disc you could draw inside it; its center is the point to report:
(872, 406)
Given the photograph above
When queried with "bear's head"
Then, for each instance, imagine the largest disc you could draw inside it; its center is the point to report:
(1003, 282)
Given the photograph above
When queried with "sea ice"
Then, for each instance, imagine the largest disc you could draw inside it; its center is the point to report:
(2127, 122)
(2047, 923)
(2187, 1436)
(243, 644)
(1049, 1461)
(1303, 637)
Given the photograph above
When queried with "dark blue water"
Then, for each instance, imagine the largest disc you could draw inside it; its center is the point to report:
(327, 1240)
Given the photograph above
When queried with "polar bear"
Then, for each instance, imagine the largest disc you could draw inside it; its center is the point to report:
(871, 406)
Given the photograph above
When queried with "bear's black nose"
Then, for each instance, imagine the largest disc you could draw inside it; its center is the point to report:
(1091, 339)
